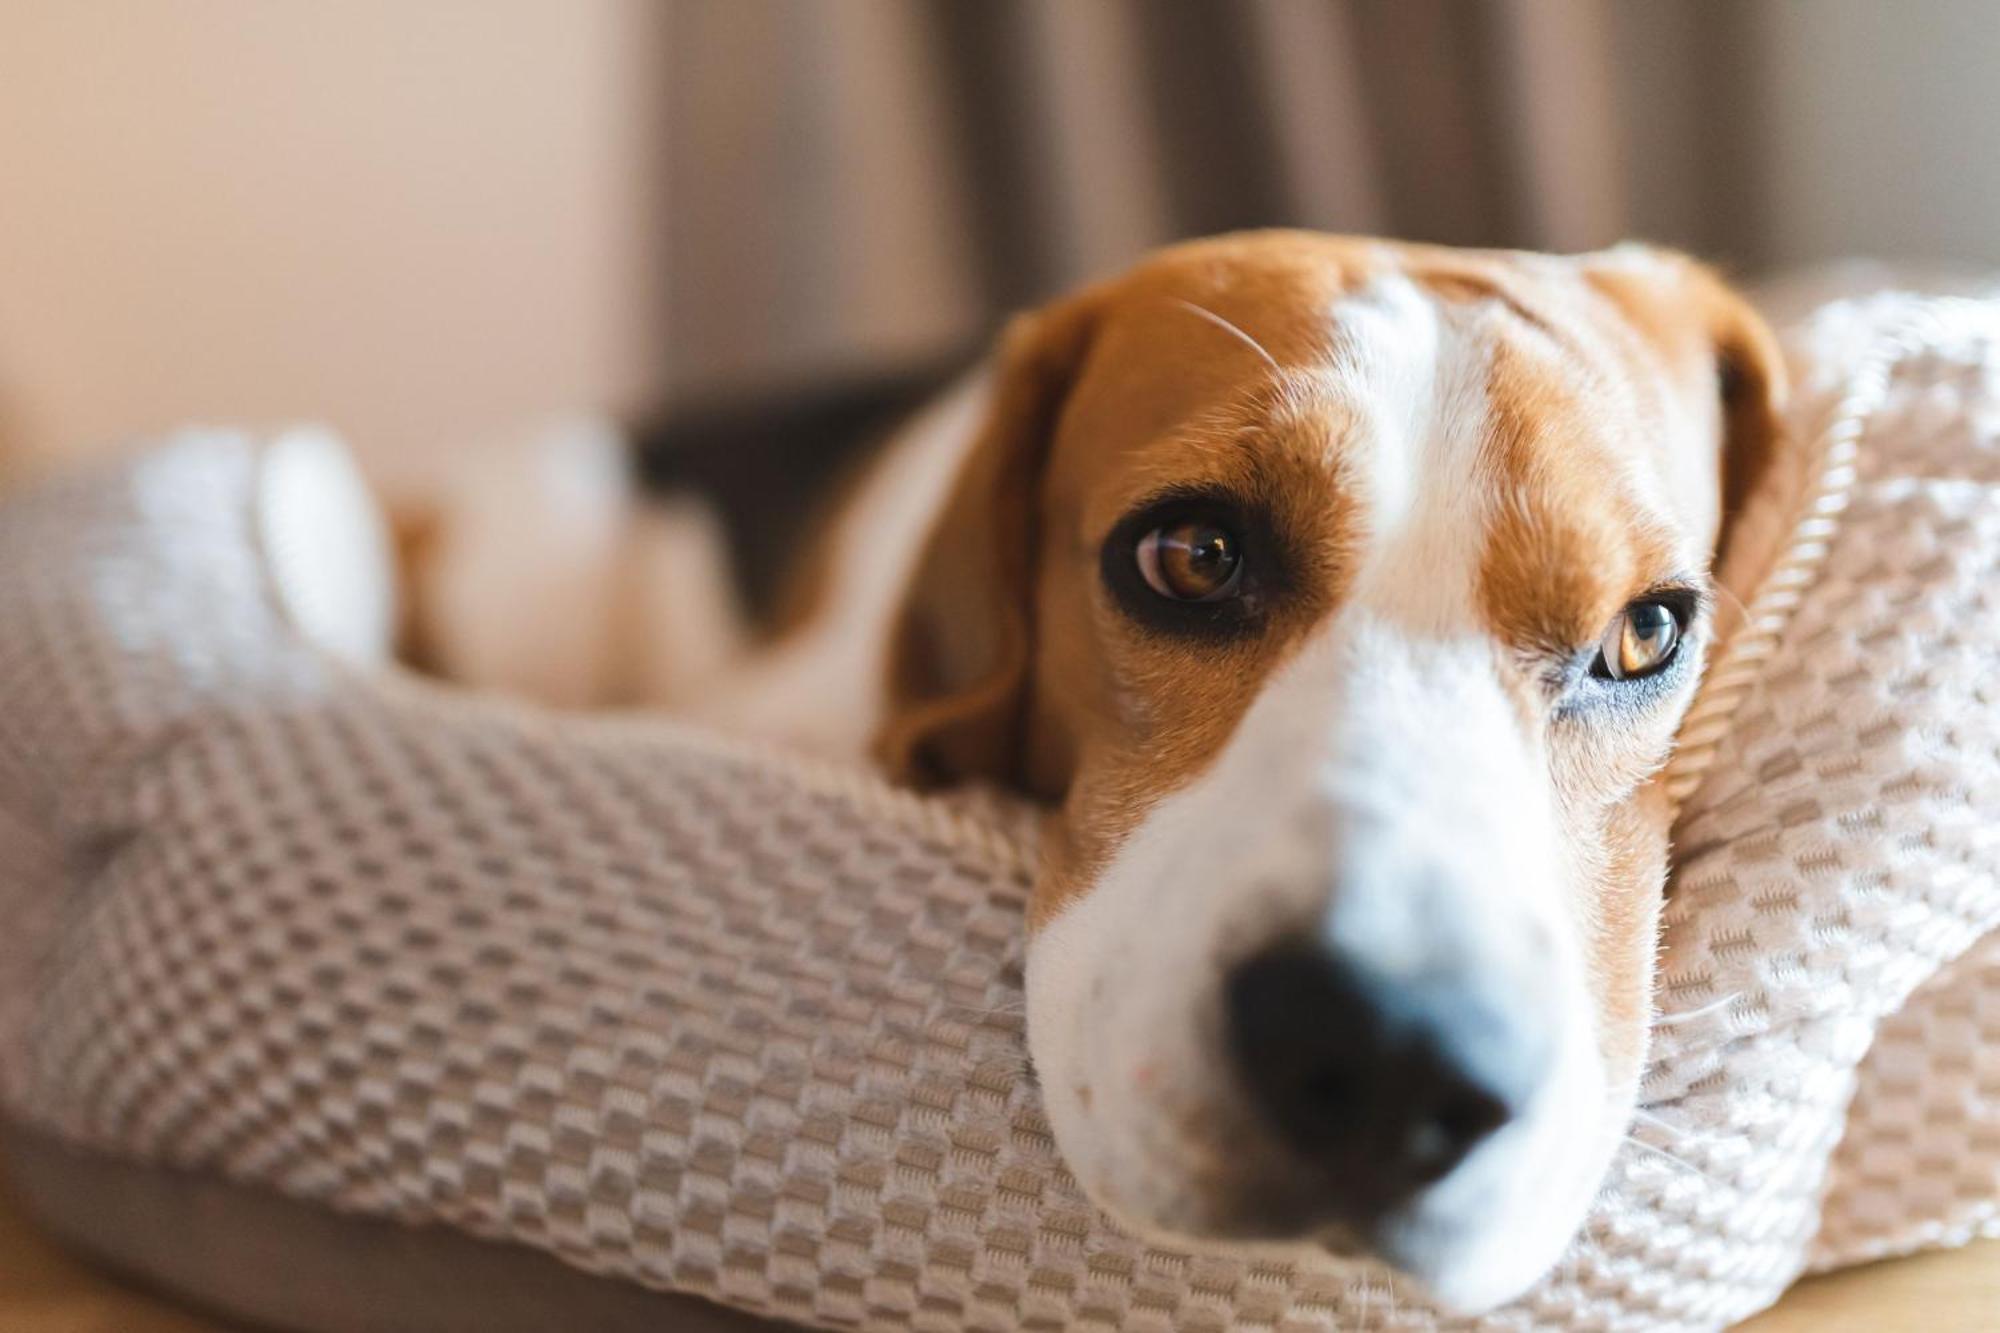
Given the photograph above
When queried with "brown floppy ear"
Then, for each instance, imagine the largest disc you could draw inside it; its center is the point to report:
(962, 644)
(1763, 466)
(1711, 331)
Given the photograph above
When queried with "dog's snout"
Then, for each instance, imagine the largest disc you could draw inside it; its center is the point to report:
(1383, 1084)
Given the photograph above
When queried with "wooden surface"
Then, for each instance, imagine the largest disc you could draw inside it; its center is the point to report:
(43, 1290)
(1951, 1291)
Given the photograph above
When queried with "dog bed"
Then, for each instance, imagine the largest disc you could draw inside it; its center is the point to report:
(340, 999)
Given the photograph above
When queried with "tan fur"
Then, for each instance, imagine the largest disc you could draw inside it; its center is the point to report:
(1012, 669)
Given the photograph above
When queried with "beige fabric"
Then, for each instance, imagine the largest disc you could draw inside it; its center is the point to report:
(283, 1264)
(709, 1019)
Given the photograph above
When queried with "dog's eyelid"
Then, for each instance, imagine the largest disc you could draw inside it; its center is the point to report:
(1171, 500)
(1692, 597)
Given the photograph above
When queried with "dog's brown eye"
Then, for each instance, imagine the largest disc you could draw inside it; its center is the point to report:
(1642, 640)
(1191, 560)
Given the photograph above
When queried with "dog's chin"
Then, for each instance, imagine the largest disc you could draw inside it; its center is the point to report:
(1470, 1244)
(1480, 1237)
(1498, 1238)
(1466, 1268)
(1489, 1231)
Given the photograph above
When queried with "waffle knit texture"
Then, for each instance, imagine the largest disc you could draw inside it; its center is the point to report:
(709, 1018)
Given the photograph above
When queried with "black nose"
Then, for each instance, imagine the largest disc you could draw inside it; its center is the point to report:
(1384, 1084)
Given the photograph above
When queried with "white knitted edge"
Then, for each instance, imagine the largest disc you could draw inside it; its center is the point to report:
(1741, 663)
(326, 544)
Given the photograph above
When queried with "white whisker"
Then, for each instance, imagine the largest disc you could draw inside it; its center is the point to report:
(1722, 590)
(1231, 329)
(1680, 1133)
(1680, 1162)
(980, 1013)
(1702, 1011)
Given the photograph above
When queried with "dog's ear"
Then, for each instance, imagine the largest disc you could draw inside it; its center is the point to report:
(962, 645)
(1763, 466)
(1730, 353)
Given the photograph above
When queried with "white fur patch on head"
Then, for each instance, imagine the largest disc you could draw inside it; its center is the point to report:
(1386, 366)
(1422, 384)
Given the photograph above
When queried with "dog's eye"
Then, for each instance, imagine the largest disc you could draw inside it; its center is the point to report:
(1192, 560)
(1642, 640)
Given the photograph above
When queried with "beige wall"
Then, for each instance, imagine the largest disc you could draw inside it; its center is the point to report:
(420, 220)
(426, 220)
(1881, 125)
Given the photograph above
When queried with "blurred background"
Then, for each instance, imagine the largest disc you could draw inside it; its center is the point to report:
(430, 222)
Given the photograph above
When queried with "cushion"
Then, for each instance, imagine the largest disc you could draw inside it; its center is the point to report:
(697, 1016)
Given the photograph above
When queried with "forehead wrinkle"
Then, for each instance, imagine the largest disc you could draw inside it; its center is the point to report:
(1631, 420)
(1494, 295)
(1668, 457)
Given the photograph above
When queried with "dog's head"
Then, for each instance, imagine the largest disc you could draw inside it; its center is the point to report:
(1342, 599)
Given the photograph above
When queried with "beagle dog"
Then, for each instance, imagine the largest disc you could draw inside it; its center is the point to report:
(1339, 600)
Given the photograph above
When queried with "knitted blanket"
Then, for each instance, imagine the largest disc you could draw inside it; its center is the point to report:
(706, 1017)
